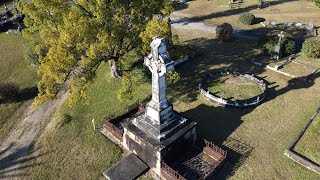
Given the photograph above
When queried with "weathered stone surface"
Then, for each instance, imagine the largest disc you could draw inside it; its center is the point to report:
(128, 168)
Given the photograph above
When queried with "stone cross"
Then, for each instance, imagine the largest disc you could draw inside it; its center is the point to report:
(159, 64)
(277, 49)
(260, 4)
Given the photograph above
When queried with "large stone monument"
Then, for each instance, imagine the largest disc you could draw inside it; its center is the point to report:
(159, 133)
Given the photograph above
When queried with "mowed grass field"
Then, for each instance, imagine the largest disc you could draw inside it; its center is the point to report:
(73, 150)
(14, 68)
(216, 12)
(306, 145)
(255, 138)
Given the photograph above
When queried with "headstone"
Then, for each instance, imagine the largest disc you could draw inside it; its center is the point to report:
(230, 4)
(260, 4)
(287, 24)
(309, 26)
(310, 29)
(277, 49)
(271, 24)
(6, 8)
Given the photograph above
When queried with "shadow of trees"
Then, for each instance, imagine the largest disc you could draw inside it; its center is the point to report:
(218, 123)
(229, 12)
(14, 162)
(24, 95)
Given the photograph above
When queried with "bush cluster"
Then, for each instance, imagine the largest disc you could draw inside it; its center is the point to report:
(311, 48)
(288, 45)
(9, 91)
(247, 18)
(224, 32)
(317, 2)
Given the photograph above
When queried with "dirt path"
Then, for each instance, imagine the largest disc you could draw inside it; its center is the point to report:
(184, 23)
(18, 148)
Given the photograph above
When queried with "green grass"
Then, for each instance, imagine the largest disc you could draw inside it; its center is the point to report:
(73, 149)
(308, 145)
(265, 131)
(13, 68)
(217, 12)
(230, 89)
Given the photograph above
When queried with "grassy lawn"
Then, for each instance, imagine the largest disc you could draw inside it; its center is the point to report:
(217, 12)
(74, 150)
(234, 88)
(14, 68)
(255, 138)
(309, 143)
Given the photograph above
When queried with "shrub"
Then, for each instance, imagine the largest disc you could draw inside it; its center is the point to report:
(246, 18)
(317, 2)
(9, 91)
(288, 45)
(65, 119)
(311, 48)
(224, 32)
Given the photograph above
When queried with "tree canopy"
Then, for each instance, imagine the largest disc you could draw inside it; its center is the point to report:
(77, 35)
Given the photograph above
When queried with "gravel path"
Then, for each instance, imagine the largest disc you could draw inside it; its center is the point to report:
(18, 148)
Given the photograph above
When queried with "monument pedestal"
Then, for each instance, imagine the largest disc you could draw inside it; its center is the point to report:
(152, 151)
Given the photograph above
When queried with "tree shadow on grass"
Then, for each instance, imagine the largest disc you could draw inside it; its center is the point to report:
(24, 95)
(232, 12)
(218, 123)
(28, 93)
(14, 164)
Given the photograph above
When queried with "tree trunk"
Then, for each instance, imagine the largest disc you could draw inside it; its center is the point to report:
(113, 69)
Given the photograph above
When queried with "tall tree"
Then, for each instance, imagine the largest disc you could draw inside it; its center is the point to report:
(78, 35)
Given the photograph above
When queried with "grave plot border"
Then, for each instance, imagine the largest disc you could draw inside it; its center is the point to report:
(229, 103)
(299, 158)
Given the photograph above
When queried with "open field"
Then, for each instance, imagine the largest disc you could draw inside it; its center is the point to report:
(307, 145)
(73, 150)
(14, 68)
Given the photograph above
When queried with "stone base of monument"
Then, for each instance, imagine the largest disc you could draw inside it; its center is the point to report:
(153, 152)
(177, 157)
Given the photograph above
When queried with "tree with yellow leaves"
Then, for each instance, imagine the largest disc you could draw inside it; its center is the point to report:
(77, 35)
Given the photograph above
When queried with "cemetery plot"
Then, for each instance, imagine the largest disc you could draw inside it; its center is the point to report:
(234, 87)
(294, 68)
(305, 145)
